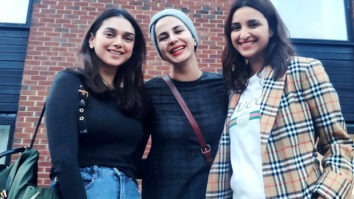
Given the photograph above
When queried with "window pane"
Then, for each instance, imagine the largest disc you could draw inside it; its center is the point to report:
(315, 19)
(4, 139)
(13, 11)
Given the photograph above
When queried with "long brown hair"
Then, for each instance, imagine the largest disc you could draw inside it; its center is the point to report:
(277, 53)
(130, 74)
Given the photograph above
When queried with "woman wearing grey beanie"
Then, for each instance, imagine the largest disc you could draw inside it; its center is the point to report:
(176, 167)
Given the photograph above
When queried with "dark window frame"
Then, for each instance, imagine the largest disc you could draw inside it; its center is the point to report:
(8, 119)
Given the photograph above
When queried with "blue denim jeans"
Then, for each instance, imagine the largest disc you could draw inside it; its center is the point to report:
(108, 182)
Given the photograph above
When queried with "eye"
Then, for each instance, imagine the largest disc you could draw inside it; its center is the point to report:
(162, 37)
(235, 27)
(253, 24)
(129, 39)
(178, 31)
(108, 34)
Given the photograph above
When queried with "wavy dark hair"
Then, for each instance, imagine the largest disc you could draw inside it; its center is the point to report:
(130, 74)
(277, 53)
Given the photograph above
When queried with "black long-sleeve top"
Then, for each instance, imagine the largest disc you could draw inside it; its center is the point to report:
(113, 139)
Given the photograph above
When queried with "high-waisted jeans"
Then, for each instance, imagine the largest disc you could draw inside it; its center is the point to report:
(108, 183)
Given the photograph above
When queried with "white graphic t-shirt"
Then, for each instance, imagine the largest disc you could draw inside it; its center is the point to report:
(246, 159)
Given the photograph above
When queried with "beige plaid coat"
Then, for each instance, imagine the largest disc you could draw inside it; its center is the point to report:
(300, 117)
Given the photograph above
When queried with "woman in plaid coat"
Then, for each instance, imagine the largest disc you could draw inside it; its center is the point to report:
(283, 111)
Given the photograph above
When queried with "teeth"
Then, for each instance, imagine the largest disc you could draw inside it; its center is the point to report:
(115, 52)
(248, 43)
(177, 49)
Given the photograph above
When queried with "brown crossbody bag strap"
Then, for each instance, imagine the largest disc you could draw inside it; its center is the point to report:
(204, 147)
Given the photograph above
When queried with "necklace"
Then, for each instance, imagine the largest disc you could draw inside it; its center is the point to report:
(109, 85)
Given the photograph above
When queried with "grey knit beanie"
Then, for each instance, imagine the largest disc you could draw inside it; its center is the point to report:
(175, 13)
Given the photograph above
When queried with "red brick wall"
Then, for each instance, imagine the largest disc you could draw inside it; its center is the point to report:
(56, 33)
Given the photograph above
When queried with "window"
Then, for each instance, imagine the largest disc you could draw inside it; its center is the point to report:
(7, 124)
(15, 13)
(315, 19)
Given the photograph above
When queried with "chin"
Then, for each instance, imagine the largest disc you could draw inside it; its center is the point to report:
(182, 59)
(247, 55)
(178, 61)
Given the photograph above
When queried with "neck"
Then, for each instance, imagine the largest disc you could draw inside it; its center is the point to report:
(108, 74)
(186, 71)
(256, 66)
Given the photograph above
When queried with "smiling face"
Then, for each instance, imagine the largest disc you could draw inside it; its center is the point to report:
(174, 40)
(114, 41)
(250, 33)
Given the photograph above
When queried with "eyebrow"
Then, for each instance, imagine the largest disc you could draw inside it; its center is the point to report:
(174, 28)
(250, 20)
(253, 20)
(114, 30)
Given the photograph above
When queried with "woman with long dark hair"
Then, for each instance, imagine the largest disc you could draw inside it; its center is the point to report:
(283, 112)
(95, 139)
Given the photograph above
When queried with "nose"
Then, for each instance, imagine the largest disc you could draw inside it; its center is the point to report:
(173, 38)
(244, 33)
(118, 42)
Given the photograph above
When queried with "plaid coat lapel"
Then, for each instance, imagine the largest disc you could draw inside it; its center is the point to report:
(272, 93)
(218, 186)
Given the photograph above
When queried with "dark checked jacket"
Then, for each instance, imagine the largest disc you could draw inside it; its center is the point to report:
(300, 117)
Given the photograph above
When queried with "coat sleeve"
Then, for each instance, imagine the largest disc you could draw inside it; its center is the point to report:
(334, 143)
(61, 121)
